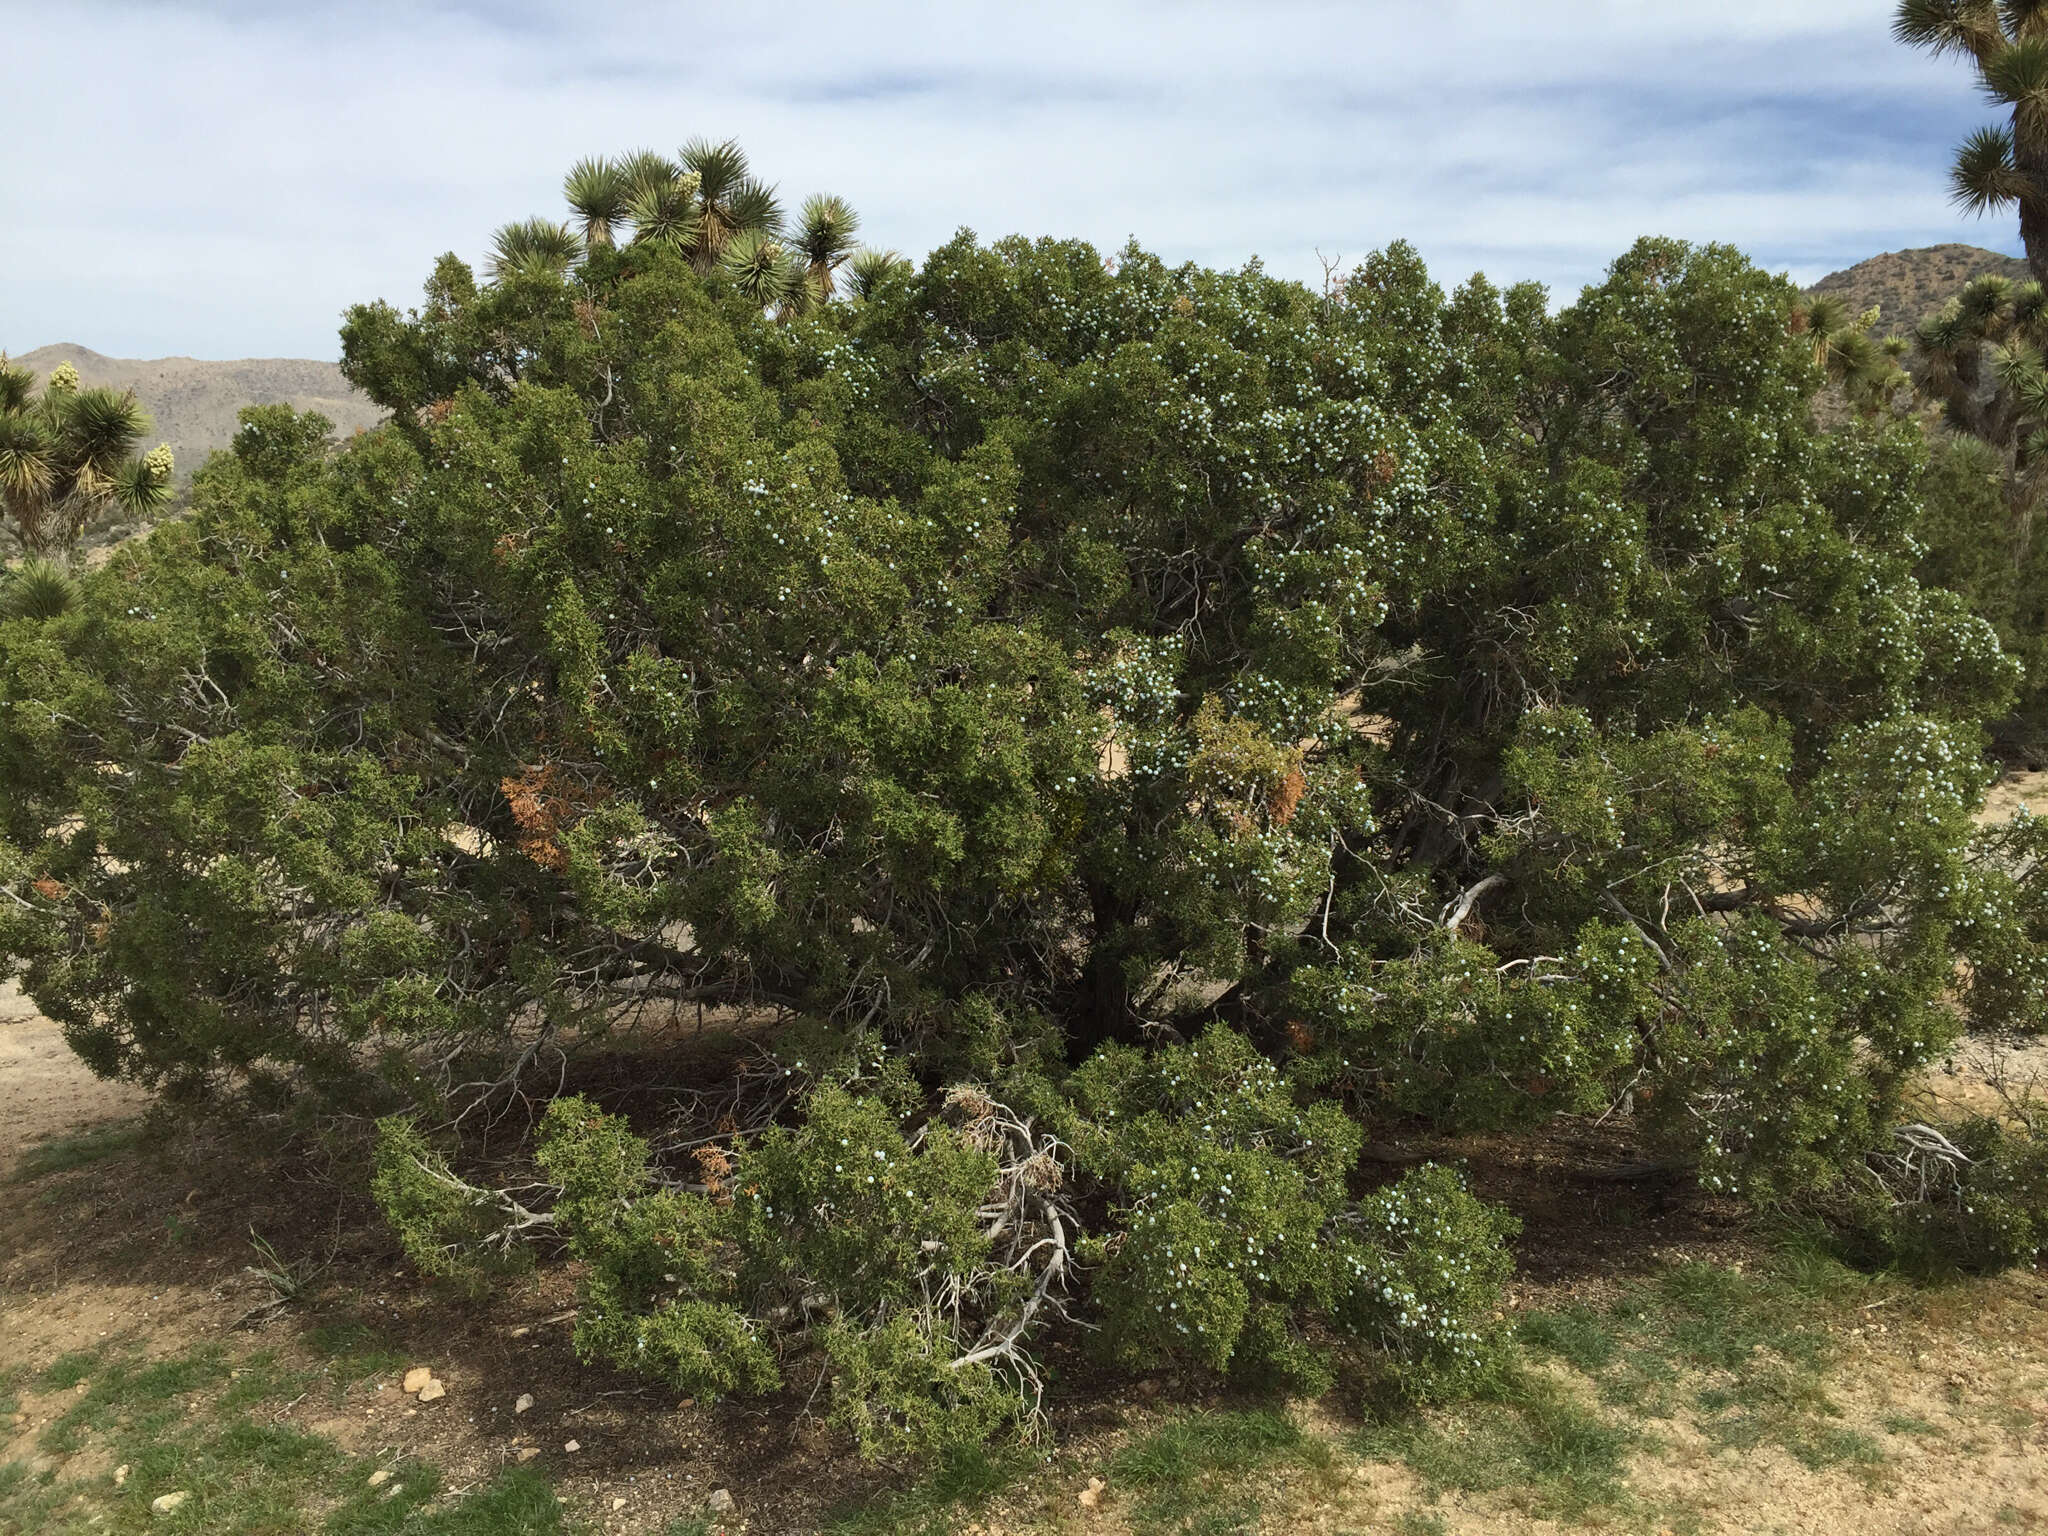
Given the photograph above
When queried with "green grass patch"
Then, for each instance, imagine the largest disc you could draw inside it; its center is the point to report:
(1529, 1436)
(1191, 1474)
(1744, 1352)
(1911, 1424)
(64, 1153)
(961, 1480)
(197, 1425)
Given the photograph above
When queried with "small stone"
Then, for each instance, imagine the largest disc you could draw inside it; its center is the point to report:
(617, 1505)
(525, 1402)
(528, 1452)
(571, 1445)
(394, 1490)
(520, 1333)
(1091, 1496)
(166, 1503)
(720, 1502)
(380, 1477)
(417, 1377)
(121, 1474)
(432, 1391)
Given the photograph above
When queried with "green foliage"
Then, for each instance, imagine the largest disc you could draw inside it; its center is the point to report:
(833, 1239)
(1234, 1232)
(37, 589)
(446, 1227)
(1488, 714)
(1963, 1197)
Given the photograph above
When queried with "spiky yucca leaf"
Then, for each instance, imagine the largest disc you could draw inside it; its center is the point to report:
(761, 267)
(646, 170)
(754, 206)
(870, 268)
(2028, 305)
(38, 588)
(101, 426)
(2015, 364)
(826, 226)
(143, 485)
(17, 386)
(2025, 18)
(1984, 177)
(1971, 27)
(2018, 76)
(533, 246)
(720, 168)
(27, 467)
(598, 191)
(667, 215)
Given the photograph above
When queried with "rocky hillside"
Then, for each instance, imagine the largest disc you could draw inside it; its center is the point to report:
(1907, 284)
(194, 402)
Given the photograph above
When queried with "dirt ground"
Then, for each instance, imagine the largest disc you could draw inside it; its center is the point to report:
(150, 1242)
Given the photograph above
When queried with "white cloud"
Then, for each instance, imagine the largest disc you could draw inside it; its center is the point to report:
(224, 179)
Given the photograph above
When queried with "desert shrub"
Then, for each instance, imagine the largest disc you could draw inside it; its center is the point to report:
(450, 1229)
(915, 1266)
(1968, 1195)
(1234, 1238)
(848, 1246)
(1490, 713)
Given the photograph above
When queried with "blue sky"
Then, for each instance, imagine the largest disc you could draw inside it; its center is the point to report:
(256, 167)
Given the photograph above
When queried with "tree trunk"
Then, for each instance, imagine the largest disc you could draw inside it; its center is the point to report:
(2032, 163)
(1101, 1003)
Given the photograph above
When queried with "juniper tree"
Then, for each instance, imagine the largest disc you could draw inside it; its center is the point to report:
(1471, 713)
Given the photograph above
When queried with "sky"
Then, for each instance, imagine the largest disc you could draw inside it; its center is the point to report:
(222, 178)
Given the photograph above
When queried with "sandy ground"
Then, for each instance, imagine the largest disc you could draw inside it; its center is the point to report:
(44, 1091)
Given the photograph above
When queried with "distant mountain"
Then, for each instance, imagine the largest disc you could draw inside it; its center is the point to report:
(194, 402)
(1908, 284)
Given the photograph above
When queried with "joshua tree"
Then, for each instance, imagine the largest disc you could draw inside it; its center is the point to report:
(767, 271)
(1867, 370)
(730, 201)
(663, 209)
(2005, 165)
(599, 191)
(69, 453)
(825, 231)
(534, 245)
(1981, 359)
(38, 588)
(870, 268)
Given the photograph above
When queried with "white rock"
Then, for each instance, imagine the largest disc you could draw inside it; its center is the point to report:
(431, 1391)
(380, 1477)
(571, 1445)
(617, 1505)
(525, 1402)
(417, 1377)
(165, 1503)
(121, 1474)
